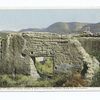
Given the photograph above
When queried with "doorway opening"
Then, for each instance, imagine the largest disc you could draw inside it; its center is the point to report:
(84, 71)
(44, 65)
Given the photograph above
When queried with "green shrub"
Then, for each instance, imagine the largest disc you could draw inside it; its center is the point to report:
(57, 80)
(6, 81)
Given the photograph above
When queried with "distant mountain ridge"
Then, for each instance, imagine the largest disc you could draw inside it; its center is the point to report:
(58, 27)
(66, 28)
(94, 28)
(30, 30)
(73, 27)
(63, 27)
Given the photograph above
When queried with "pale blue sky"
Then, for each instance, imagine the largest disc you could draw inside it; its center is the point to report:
(19, 19)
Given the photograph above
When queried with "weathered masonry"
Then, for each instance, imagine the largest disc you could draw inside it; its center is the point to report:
(18, 54)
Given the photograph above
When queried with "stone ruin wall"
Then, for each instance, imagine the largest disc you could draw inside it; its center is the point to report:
(19, 49)
(91, 45)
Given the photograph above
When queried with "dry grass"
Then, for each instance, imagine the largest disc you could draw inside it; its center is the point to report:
(75, 81)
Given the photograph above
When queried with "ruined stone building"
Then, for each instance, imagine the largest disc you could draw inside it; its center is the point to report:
(18, 52)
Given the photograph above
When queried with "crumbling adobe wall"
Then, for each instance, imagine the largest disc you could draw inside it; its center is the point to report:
(91, 45)
(18, 49)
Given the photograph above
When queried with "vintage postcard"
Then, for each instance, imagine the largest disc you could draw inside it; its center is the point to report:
(49, 48)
